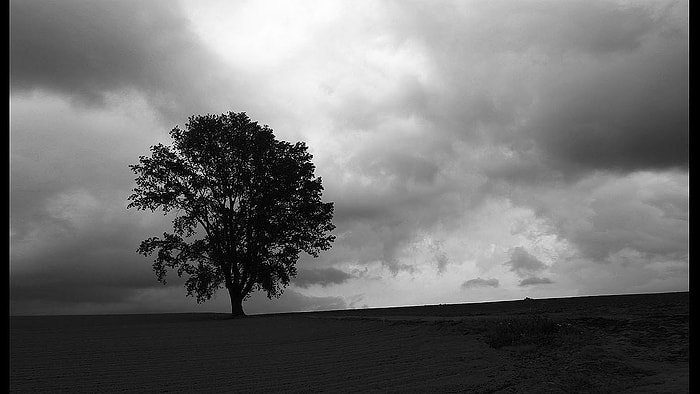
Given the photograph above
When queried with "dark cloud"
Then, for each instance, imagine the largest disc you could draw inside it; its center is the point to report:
(396, 193)
(429, 115)
(72, 242)
(626, 116)
(533, 280)
(405, 167)
(406, 98)
(92, 263)
(523, 263)
(479, 282)
(320, 276)
(603, 215)
(597, 27)
(71, 161)
(607, 89)
(86, 50)
(378, 227)
(94, 268)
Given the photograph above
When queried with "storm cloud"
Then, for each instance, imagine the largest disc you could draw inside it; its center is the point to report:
(452, 137)
(88, 51)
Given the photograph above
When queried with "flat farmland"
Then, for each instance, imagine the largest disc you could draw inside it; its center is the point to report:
(603, 344)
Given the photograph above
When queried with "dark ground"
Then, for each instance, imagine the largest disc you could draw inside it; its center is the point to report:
(604, 344)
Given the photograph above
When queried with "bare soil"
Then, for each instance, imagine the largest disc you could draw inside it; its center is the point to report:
(605, 344)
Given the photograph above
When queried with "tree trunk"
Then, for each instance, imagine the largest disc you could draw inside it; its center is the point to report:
(236, 304)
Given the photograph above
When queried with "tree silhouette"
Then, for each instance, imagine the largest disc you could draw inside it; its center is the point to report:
(255, 197)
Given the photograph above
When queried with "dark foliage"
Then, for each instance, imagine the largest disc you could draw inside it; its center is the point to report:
(255, 198)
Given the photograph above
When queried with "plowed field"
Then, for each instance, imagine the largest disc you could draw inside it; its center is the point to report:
(633, 344)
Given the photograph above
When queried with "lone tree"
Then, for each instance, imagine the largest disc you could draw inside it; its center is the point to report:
(255, 197)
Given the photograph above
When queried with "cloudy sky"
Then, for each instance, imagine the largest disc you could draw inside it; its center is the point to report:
(474, 150)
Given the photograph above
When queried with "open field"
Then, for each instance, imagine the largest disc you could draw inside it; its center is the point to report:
(621, 344)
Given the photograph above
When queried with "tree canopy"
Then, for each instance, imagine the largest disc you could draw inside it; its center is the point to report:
(245, 206)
